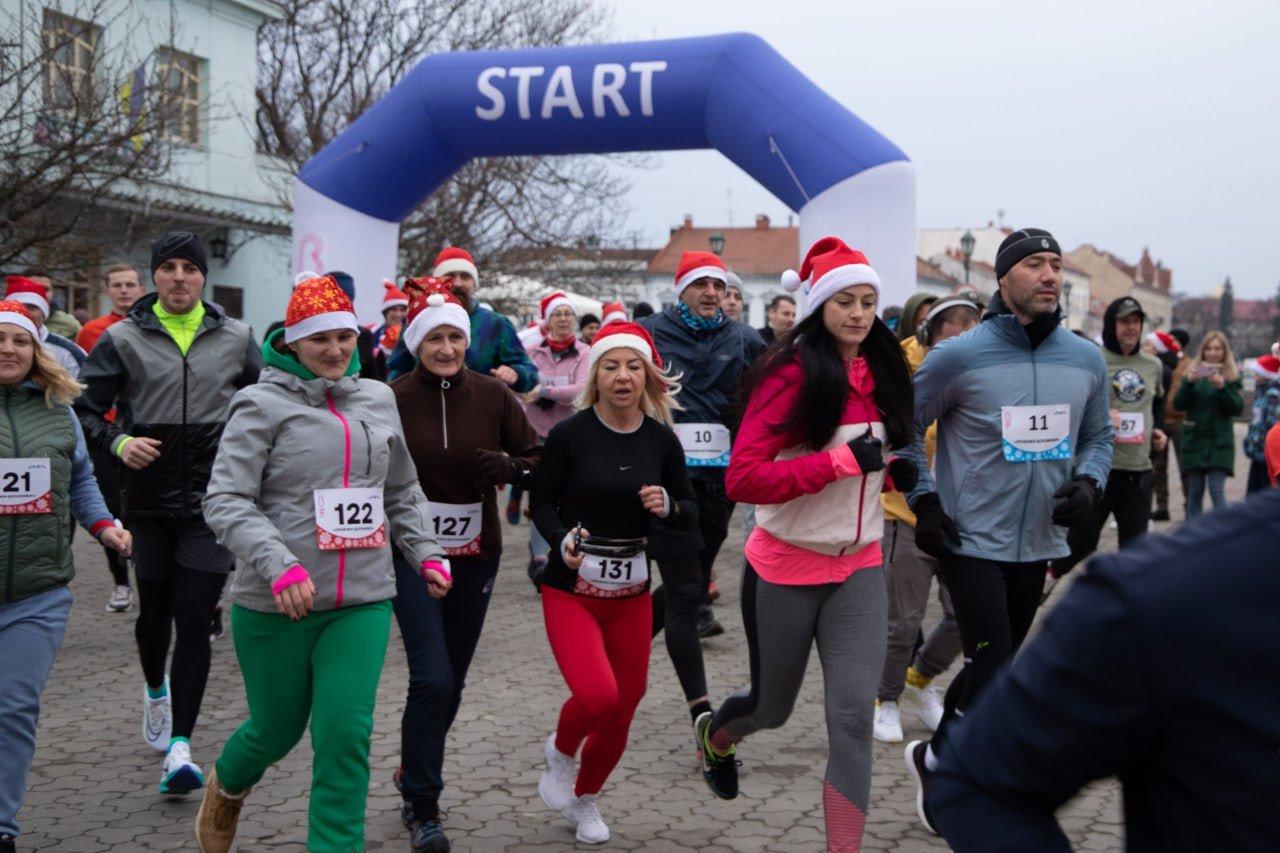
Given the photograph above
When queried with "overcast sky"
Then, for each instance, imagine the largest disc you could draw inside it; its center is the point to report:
(1120, 123)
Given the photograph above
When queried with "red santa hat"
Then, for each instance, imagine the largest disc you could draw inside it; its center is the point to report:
(434, 306)
(829, 267)
(1163, 342)
(28, 292)
(12, 311)
(318, 305)
(394, 297)
(696, 265)
(613, 312)
(554, 301)
(623, 334)
(1267, 367)
(454, 259)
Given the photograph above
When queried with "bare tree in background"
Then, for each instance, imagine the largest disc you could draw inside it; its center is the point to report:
(79, 124)
(328, 61)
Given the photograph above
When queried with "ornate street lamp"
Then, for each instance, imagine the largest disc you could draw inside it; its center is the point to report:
(1066, 297)
(966, 249)
(717, 242)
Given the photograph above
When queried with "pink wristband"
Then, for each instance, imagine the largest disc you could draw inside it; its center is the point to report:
(296, 574)
(436, 565)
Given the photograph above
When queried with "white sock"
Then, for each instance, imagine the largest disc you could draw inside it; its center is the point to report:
(930, 760)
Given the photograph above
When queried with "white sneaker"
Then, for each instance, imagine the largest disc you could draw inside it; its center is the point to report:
(157, 719)
(928, 702)
(888, 725)
(181, 775)
(556, 785)
(583, 814)
(121, 599)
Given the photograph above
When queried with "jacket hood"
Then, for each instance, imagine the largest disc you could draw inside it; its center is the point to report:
(312, 390)
(1109, 339)
(906, 326)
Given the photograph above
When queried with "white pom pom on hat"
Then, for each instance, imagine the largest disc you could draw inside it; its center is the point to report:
(791, 281)
(829, 267)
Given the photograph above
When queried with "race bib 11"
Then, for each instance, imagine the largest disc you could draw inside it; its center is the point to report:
(349, 518)
(1034, 433)
(457, 527)
(24, 486)
(705, 445)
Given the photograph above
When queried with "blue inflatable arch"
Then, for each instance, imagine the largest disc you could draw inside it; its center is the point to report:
(731, 92)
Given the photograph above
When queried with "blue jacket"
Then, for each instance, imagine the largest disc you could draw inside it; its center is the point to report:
(1004, 509)
(711, 362)
(1157, 666)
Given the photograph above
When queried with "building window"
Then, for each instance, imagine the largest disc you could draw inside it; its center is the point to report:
(69, 48)
(178, 84)
(231, 299)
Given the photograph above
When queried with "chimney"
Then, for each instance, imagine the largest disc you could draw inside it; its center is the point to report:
(762, 221)
(688, 220)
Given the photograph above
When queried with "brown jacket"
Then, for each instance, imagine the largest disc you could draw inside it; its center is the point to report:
(1174, 416)
(445, 422)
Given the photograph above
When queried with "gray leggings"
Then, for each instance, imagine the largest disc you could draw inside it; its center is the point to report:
(848, 621)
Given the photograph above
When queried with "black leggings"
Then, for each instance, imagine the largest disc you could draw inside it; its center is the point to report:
(715, 511)
(186, 600)
(675, 609)
(994, 604)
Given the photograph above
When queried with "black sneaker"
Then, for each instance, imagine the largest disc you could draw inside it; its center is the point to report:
(1160, 515)
(428, 835)
(708, 624)
(914, 756)
(720, 772)
(6, 843)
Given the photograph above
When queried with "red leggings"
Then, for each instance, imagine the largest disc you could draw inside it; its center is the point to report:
(602, 649)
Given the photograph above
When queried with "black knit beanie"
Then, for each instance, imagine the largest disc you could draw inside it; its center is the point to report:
(179, 244)
(1023, 242)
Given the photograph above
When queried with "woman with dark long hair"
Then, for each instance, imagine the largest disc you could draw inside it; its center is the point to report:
(823, 405)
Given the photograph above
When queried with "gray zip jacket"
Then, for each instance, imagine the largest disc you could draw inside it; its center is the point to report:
(1005, 509)
(287, 437)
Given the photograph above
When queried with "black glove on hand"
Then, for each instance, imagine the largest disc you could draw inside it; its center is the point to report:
(495, 468)
(1072, 502)
(869, 451)
(934, 527)
(903, 472)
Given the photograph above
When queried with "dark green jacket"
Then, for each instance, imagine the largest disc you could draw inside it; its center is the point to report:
(1208, 440)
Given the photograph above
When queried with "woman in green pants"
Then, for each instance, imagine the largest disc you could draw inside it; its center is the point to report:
(311, 480)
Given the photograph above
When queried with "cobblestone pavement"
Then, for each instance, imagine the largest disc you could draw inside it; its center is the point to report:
(93, 786)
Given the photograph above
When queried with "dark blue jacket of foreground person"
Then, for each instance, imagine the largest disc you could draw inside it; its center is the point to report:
(1161, 666)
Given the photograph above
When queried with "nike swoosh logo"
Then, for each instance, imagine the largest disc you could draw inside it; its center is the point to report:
(624, 467)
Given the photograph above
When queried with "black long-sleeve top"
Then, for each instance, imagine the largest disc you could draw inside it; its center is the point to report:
(591, 475)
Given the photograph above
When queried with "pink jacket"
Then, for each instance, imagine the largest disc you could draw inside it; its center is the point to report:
(562, 381)
(819, 519)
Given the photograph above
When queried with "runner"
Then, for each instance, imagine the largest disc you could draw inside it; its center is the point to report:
(733, 303)
(712, 352)
(311, 481)
(467, 433)
(607, 473)
(45, 478)
(122, 287)
(1024, 447)
(810, 454)
(1168, 350)
(1211, 395)
(780, 316)
(911, 666)
(395, 304)
(1137, 415)
(170, 370)
(34, 296)
(612, 312)
(561, 360)
(588, 325)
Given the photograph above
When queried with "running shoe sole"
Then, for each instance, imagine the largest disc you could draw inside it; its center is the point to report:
(184, 780)
(916, 769)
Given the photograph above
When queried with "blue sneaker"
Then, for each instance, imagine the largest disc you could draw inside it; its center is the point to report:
(181, 775)
(428, 835)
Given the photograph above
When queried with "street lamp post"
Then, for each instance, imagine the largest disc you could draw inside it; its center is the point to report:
(1066, 297)
(717, 242)
(966, 249)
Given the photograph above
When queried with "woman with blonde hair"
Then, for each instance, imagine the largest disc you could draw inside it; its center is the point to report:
(45, 479)
(1211, 395)
(611, 485)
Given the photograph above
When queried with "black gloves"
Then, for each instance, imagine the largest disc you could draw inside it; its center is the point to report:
(933, 527)
(869, 451)
(1072, 502)
(495, 468)
(904, 474)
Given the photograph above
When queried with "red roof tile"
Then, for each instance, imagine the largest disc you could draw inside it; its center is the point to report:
(747, 251)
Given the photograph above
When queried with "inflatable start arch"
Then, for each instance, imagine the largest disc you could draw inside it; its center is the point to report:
(732, 92)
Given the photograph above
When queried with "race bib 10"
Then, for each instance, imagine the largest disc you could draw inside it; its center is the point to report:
(349, 518)
(457, 527)
(705, 445)
(1034, 433)
(24, 486)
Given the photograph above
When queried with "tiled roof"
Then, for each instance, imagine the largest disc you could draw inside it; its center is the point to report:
(758, 250)
(924, 269)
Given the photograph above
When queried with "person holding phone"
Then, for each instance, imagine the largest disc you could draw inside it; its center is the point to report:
(1211, 394)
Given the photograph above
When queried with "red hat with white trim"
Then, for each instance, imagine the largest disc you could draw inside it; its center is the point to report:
(454, 259)
(623, 334)
(394, 297)
(696, 265)
(318, 305)
(829, 267)
(554, 301)
(434, 306)
(1164, 342)
(13, 311)
(1267, 367)
(613, 312)
(28, 292)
